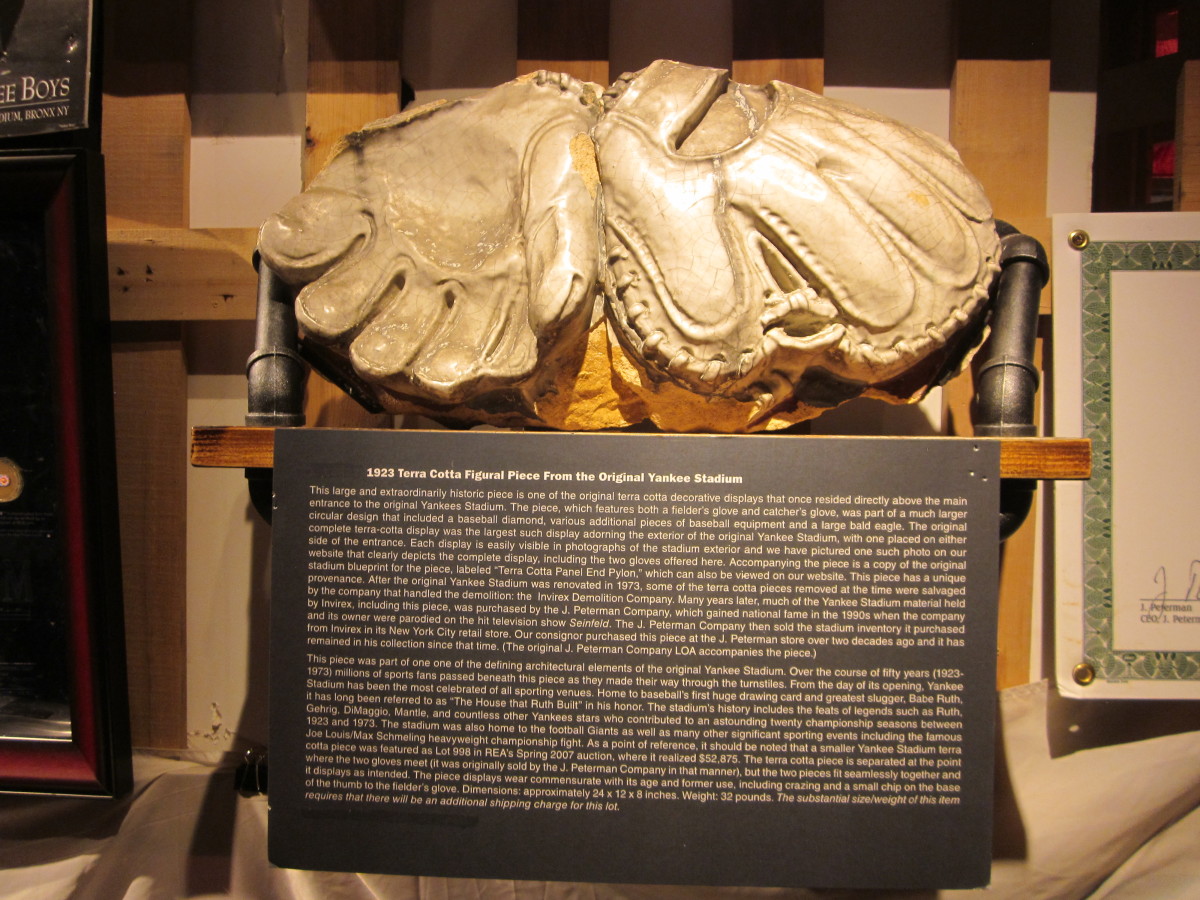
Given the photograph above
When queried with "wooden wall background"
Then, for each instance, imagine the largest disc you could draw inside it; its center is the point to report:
(166, 276)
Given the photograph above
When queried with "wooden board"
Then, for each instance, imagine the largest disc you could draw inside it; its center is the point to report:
(180, 274)
(353, 79)
(238, 446)
(803, 73)
(1187, 138)
(146, 135)
(1000, 124)
(146, 126)
(150, 393)
(353, 72)
(1014, 615)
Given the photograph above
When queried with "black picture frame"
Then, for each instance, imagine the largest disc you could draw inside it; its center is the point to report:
(60, 573)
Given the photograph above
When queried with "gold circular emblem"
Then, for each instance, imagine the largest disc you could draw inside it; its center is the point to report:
(11, 482)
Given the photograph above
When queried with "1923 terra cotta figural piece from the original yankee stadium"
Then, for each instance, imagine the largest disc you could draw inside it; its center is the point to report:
(680, 249)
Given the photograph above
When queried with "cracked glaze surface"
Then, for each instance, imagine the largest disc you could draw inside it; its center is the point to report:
(755, 232)
(450, 251)
(754, 244)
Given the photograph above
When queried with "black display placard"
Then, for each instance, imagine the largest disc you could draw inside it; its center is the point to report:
(634, 658)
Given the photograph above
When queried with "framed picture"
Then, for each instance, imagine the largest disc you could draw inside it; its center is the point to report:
(45, 66)
(63, 706)
(1127, 545)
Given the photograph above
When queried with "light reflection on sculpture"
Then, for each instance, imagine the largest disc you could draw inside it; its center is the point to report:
(756, 246)
(449, 251)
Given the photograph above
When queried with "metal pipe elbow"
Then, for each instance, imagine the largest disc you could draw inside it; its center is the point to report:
(1007, 379)
(275, 375)
(275, 372)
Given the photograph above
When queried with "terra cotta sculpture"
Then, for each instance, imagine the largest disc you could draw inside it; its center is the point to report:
(682, 249)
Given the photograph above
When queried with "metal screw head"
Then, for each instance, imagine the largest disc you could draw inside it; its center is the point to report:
(1084, 674)
(1079, 239)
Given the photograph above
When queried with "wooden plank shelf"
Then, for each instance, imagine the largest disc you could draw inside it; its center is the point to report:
(181, 274)
(1037, 458)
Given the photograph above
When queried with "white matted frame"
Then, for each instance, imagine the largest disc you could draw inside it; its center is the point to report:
(1127, 541)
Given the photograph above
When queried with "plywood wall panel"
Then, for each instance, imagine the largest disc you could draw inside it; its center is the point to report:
(150, 400)
(1000, 124)
(353, 78)
(1187, 138)
(146, 133)
(146, 124)
(803, 73)
(353, 72)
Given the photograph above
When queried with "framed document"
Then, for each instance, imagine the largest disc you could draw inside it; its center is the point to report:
(1127, 288)
(63, 725)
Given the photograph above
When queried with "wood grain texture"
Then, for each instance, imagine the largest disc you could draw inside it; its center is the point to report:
(179, 274)
(146, 136)
(1000, 124)
(150, 401)
(146, 125)
(1014, 614)
(147, 152)
(1187, 138)
(353, 72)
(1017, 573)
(353, 79)
(236, 446)
(803, 73)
